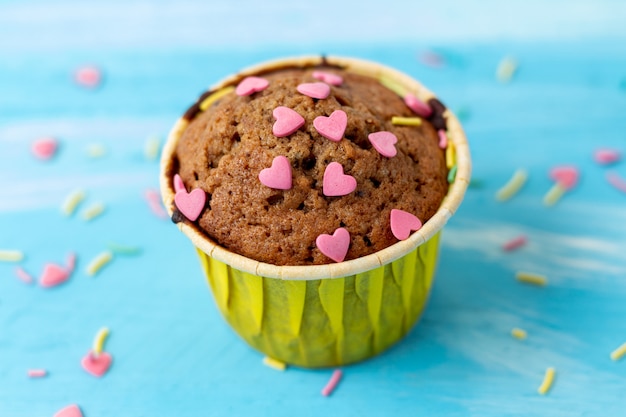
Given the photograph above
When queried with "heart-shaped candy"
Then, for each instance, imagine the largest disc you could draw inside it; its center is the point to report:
(606, 156)
(402, 223)
(328, 77)
(334, 246)
(88, 76)
(314, 90)
(53, 275)
(335, 182)
(190, 204)
(565, 176)
(333, 126)
(418, 106)
(287, 121)
(251, 85)
(178, 183)
(69, 411)
(279, 175)
(384, 142)
(44, 148)
(96, 365)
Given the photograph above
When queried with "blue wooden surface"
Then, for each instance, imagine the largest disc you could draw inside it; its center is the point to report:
(173, 353)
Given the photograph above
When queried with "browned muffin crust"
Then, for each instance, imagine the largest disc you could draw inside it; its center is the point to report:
(225, 147)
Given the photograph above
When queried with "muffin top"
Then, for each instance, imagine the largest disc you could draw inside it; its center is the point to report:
(285, 184)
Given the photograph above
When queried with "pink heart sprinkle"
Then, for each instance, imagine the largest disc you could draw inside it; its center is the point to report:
(69, 411)
(443, 139)
(287, 121)
(96, 365)
(178, 183)
(335, 246)
(88, 76)
(279, 175)
(566, 176)
(384, 142)
(333, 126)
(190, 204)
(44, 148)
(314, 90)
(328, 77)
(418, 106)
(251, 85)
(335, 182)
(606, 156)
(402, 223)
(53, 275)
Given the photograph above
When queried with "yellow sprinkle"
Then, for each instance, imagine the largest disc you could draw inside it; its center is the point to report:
(619, 352)
(98, 262)
(393, 85)
(98, 341)
(93, 211)
(554, 195)
(511, 188)
(152, 147)
(274, 363)
(548, 379)
(450, 155)
(206, 103)
(72, 201)
(11, 255)
(518, 333)
(530, 278)
(406, 121)
(506, 69)
(96, 150)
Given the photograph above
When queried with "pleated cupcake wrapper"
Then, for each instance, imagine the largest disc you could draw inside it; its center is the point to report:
(338, 313)
(325, 322)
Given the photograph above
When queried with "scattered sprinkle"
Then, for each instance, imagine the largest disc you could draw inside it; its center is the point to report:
(606, 156)
(96, 150)
(332, 383)
(519, 333)
(72, 201)
(554, 194)
(531, 278)
(71, 262)
(274, 363)
(432, 59)
(69, 411)
(99, 262)
(207, 102)
(93, 211)
(153, 198)
(566, 176)
(450, 155)
(511, 188)
(548, 379)
(515, 243)
(53, 275)
(24, 276)
(44, 148)
(443, 139)
(98, 341)
(392, 84)
(619, 352)
(506, 69)
(96, 364)
(152, 148)
(452, 174)
(124, 250)
(37, 373)
(616, 181)
(88, 76)
(406, 121)
(7, 255)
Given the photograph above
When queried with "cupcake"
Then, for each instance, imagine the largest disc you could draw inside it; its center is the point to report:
(314, 190)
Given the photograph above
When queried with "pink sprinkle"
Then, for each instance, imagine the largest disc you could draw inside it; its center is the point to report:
(515, 243)
(617, 182)
(154, 202)
(432, 59)
(332, 383)
(71, 262)
(88, 76)
(37, 373)
(44, 148)
(606, 156)
(443, 139)
(23, 275)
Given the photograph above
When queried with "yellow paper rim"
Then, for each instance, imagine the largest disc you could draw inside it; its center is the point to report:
(448, 206)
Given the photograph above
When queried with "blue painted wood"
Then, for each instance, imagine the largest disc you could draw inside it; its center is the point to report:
(174, 355)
